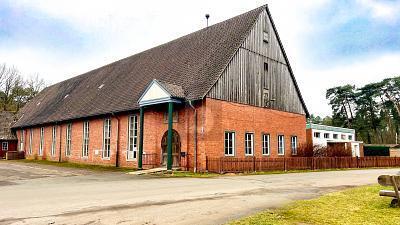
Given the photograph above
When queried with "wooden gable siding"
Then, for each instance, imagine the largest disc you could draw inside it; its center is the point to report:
(244, 78)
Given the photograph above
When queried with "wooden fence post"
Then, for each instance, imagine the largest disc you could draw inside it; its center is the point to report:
(220, 165)
(358, 164)
(284, 163)
(254, 164)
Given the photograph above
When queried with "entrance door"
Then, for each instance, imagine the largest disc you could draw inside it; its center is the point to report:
(176, 148)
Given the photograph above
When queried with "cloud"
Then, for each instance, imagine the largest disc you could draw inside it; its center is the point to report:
(387, 11)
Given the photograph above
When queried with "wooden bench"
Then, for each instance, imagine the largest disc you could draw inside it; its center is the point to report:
(391, 181)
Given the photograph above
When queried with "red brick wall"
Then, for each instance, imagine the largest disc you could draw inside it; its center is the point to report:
(213, 119)
(221, 116)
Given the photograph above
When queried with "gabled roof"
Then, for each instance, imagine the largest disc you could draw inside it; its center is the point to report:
(192, 62)
(6, 121)
(161, 92)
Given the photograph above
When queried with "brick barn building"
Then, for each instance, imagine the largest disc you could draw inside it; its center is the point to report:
(224, 91)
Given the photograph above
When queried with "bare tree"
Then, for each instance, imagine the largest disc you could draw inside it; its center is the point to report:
(15, 91)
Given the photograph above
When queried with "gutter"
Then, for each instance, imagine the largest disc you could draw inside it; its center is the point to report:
(117, 149)
(195, 137)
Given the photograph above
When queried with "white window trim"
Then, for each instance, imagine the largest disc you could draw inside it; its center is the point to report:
(68, 140)
(22, 141)
(85, 139)
(104, 139)
(269, 144)
(252, 143)
(294, 137)
(283, 145)
(41, 141)
(134, 152)
(53, 140)
(2, 146)
(30, 141)
(233, 142)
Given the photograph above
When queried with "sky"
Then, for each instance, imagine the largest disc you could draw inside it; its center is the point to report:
(328, 42)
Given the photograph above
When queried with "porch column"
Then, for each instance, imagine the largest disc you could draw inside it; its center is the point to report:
(141, 126)
(169, 139)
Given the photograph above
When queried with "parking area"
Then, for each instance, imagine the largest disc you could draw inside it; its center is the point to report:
(41, 194)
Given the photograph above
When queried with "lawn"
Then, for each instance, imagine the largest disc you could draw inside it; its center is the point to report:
(360, 205)
(78, 165)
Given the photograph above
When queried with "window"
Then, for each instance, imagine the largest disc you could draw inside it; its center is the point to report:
(327, 135)
(350, 137)
(22, 139)
(41, 141)
(265, 37)
(4, 146)
(229, 143)
(266, 67)
(68, 140)
(335, 136)
(30, 141)
(266, 97)
(85, 138)
(293, 144)
(107, 138)
(249, 143)
(265, 144)
(132, 137)
(343, 136)
(281, 145)
(53, 140)
(317, 134)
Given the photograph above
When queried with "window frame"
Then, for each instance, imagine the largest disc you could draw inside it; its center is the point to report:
(106, 153)
(22, 141)
(350, 137)
(294, 147)
(30, 141)
(283, 145)
(232, 141)
(246, 141)
(263, 147)
(317, 134)
(133, 133)
(327, 135)
(53, 140)
(2, 146)
(85, 138)
(41, 141)
(68, 139)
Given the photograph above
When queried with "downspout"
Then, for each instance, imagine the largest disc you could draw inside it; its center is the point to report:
(195, 137)
(59, 156)
(117, 149)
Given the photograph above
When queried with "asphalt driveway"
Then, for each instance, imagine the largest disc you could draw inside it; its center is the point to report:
(39, 194)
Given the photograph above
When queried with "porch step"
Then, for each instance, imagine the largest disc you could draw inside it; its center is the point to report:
(149, 171)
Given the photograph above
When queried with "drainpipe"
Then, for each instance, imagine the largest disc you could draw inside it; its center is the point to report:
(195, 137)
(59, 156)
(117, 149)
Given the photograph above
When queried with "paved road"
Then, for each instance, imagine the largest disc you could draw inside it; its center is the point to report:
(38, 194)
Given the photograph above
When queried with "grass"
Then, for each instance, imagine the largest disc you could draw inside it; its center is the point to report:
(354, 206)
(99, 168)
(189, 174)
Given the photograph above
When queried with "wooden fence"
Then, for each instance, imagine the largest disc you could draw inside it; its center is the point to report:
(253, 164)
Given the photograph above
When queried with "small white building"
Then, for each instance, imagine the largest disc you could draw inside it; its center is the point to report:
(322, 135)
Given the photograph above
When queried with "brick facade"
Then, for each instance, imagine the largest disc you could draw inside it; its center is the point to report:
(214, 117)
